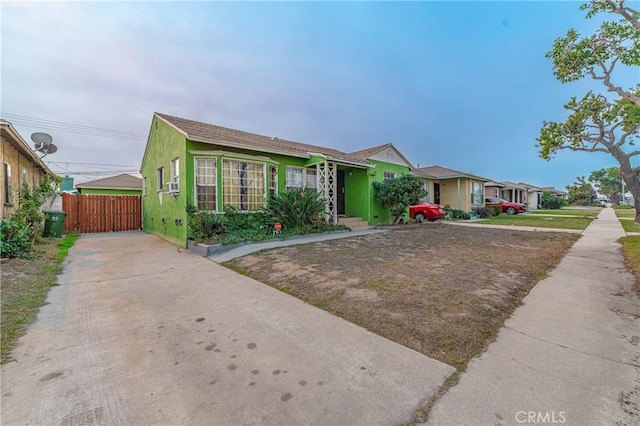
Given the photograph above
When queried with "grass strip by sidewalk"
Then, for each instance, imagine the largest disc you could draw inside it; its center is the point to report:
(575, 212)
(23, 297)
(630, 225)
(631, 252)
(538, 221)
(626, 213)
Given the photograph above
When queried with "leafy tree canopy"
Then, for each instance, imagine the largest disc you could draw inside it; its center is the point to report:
(608, 182)
(595, 122)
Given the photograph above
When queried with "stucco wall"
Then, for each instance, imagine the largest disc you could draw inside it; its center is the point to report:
(458, 197)
(379, 214)
(162, 212)
(18, 162)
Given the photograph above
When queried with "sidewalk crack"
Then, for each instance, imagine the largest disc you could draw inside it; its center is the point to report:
(630, 364)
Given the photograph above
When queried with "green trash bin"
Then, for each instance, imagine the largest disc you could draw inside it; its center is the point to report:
(54, 223)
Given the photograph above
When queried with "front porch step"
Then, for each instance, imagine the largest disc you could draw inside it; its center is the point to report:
(355, 223)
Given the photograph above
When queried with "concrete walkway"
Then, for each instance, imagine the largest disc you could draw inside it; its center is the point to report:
(140, 333)
(570, 355)
(304, 239)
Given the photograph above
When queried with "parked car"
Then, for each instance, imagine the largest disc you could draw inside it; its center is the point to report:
(507, 206)
(426, 211)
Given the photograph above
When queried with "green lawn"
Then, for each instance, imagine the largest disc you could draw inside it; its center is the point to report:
(631, 251)
(566, 212)
(630, 225)
(625, 213)
(539, 221)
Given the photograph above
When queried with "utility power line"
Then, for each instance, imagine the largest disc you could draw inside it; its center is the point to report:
(39, 123)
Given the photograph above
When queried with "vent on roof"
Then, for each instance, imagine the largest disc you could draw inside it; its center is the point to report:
(275, 139)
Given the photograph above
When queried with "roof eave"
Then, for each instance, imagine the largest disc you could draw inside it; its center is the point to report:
(247, 147)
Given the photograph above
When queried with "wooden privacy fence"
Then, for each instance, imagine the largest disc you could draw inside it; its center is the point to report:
(102, 213)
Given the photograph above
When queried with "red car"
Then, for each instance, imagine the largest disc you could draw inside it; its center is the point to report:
(507, 206)
(426, 211)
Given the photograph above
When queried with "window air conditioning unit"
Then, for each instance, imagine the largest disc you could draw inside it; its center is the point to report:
(172, 187)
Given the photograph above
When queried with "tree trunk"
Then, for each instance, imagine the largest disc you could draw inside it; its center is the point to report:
(630, 175)
(632, 180)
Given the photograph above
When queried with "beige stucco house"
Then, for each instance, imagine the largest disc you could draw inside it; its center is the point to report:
(462, 191)
(20, 165)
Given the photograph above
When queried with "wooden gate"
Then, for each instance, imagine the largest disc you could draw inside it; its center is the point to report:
(102, 213)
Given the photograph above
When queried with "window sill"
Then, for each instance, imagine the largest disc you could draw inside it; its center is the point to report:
(8, 204)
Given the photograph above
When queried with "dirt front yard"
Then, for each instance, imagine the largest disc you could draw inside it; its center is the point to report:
(441, 290)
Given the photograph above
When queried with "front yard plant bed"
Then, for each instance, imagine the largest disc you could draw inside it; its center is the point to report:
(208, 249)
(441, 290)
(539, 221)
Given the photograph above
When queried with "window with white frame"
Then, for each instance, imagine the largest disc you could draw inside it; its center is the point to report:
(295, 178)
(160, 179)
(426, 185)
(243, 185)
(273, 181)
(477, 193)
(175, 170)
(144, 185)
(298, 178)
(7, 184)
(389, 175)
(311, 178)
(206, 178)
(25, 176)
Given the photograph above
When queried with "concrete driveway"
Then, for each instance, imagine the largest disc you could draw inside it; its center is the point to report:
(141, 333)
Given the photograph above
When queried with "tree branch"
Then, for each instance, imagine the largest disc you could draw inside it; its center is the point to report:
(626, 12)
(592, 149)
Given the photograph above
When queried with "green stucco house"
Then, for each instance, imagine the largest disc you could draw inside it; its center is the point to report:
(189, 162)
(123, 184)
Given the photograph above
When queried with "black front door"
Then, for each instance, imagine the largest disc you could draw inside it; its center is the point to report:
(436, 193)
(340, 192)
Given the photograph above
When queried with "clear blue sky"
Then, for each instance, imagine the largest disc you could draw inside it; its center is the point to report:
(464, 85)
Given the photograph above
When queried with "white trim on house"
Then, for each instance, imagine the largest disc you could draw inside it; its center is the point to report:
(234, 155)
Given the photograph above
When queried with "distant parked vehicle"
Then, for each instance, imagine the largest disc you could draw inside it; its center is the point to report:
(426, 211)
(507, 206)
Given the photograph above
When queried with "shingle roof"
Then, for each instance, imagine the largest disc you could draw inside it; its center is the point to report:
(123, 181)
(365, 153)
(210, 133)
(514, 185)
(493, 184)
(442, 173)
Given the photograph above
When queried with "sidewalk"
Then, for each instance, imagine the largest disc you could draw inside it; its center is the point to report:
(311, 238)
(570, 354)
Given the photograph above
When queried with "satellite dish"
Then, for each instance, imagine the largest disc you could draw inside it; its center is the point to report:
(43, 143)
(41, 140)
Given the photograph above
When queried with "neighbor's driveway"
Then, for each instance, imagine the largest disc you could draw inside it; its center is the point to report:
(139, 333)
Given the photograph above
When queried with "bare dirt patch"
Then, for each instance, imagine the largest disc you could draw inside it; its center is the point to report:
(23, 289)
(441, 290)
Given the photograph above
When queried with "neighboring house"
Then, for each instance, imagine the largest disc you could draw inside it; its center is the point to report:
(493, 189)
(211, 167)
(521, 192)
(513, 192)
(20, 165)
(533, 196)
(462, 191)
(123, 184)
(562, 194)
